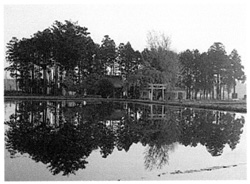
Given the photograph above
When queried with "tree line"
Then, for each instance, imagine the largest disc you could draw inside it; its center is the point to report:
(214, 69)
(64, 56)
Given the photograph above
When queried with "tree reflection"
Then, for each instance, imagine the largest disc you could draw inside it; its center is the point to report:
(62, 135)
(157, 157)
(160, 135)
(212, 129)
(64, 147)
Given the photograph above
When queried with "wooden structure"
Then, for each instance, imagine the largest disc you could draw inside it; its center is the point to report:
(154, 92)
(157, 112)
(161, 92)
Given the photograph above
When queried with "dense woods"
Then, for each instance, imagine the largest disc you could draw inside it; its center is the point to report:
(214, 69)
(65, 57)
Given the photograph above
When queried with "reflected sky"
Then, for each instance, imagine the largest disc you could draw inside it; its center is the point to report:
(107, 141)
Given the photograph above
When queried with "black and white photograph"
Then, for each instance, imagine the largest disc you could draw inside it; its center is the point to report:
(125, 90)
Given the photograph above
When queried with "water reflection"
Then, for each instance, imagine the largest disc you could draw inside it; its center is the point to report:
(62, 134)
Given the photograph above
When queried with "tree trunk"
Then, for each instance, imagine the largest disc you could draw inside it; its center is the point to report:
(195, 94)
(32, 117)
(218, 88)
(56, 124)
(223, 90)
(56, 80)
(32, 79)
(79, 75)
(234, 86)
(217, 117)
(44, 114)
(213, 92)
(44, 80)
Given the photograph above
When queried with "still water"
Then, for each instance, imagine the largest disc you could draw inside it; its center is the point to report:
(78, 140)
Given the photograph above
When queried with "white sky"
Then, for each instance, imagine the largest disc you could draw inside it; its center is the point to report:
(189, 24)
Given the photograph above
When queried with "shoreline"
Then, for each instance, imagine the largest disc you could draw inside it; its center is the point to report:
(222, 105)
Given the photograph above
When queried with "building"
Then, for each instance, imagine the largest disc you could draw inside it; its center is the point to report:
(118, 84)
(176, 94)
(10, 85)
(241, 90)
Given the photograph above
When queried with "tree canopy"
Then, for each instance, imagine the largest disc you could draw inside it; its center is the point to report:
(210, 70)
(64, 56)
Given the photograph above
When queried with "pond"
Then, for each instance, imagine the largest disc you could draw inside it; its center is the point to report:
(79, 140)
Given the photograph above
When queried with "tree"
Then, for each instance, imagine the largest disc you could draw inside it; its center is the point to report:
(72, 49)
(237, 72)
(108, 53)
(129, 60)
(160, 64)
(21, 56)
(90, 85)
(219, 61)
(13, 58)
(196, 73)
(43, 43)
(202, 73)
(186, 60)
(105, 88)
(206, 75)
(69, 82)
(45, 59)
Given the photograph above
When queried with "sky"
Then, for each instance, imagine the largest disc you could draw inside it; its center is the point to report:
(189, 24)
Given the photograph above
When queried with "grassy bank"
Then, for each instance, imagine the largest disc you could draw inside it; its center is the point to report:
(229, 105)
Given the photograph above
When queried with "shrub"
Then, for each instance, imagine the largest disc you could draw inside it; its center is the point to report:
(105, 88)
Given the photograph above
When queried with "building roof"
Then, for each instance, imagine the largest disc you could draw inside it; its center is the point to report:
(116, 80)
(178, 89)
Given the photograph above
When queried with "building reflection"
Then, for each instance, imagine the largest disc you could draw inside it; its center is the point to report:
(62, 134)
